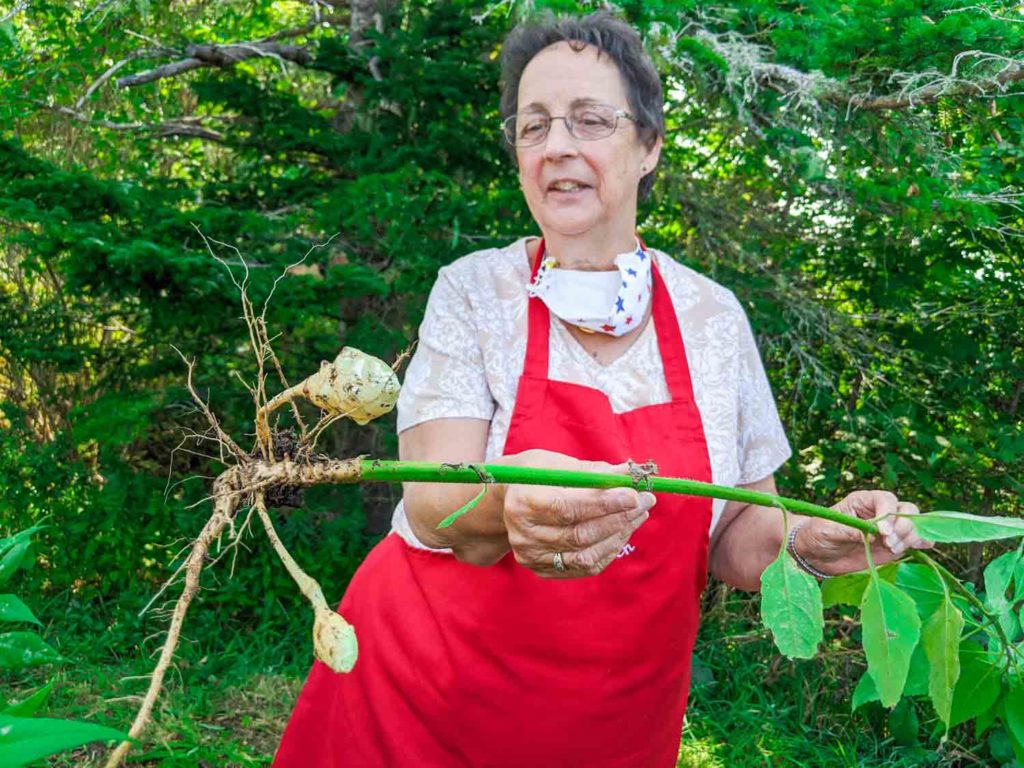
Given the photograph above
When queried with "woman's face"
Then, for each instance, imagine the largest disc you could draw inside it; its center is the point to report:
(575, 187)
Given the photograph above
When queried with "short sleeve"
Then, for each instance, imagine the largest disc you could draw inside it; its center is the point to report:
(446, 377)
(761, 446)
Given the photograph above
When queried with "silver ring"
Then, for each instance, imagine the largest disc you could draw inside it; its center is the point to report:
(559, 563)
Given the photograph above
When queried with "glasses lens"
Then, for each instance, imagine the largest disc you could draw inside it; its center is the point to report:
(528, 128)
(593, 121)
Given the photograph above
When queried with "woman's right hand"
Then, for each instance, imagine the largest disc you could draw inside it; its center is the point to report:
(588, 527)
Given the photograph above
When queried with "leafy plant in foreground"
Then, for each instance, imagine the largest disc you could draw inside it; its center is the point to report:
(25, 738)
(924, 632)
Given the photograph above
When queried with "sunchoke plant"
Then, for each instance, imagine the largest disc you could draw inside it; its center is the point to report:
(924, 632)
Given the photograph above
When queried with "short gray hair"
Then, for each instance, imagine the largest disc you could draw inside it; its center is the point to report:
(611, 36)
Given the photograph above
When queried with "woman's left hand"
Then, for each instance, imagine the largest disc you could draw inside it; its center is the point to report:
(834, 548)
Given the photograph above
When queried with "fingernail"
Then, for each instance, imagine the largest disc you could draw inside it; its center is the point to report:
(891, 541)
(641, 518)
(647, 500)
(897, 548)
(884, 527)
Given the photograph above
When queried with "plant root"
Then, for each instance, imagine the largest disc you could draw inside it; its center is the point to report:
(235, 485)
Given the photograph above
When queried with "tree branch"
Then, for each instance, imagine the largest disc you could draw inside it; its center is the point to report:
(18, 8)
(318, 21)
(183, 126)
(749, 70)
(198, 56)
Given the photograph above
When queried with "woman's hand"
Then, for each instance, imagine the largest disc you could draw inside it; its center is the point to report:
(587, 527)
(834, 548)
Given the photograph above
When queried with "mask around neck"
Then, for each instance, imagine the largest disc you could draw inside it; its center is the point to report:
(612, 302)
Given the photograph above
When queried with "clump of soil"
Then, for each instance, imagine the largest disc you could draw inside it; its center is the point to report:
(286, 446)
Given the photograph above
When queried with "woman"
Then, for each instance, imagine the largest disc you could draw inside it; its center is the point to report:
(551, 626)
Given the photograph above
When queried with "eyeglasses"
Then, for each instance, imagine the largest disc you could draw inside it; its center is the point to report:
(587, 122)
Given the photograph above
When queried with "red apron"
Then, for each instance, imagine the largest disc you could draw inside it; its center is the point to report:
(497, 667)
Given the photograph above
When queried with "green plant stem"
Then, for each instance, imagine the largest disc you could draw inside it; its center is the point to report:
(954, 583)
(426, 472)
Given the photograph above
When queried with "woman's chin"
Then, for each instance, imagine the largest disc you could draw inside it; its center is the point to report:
(569, 226)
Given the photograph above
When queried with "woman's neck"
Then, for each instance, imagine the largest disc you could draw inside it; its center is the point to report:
(588, 254)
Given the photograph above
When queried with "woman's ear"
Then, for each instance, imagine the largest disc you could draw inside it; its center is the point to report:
(651, 158)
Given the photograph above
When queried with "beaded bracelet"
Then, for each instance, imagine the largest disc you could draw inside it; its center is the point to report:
(791, 548)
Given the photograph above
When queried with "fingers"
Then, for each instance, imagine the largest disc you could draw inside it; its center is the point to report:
(898, 532)
(572, 506)
(589, 528)
(594, 559)
(869, 504)
(593, 531)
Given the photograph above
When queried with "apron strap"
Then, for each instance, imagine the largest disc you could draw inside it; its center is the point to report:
(670, 340)
(538, 328)
(666, 324)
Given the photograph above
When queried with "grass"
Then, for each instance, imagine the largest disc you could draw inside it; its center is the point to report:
(222, 706)
(229, 696)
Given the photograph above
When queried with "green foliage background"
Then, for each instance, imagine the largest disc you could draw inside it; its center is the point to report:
(880, 255)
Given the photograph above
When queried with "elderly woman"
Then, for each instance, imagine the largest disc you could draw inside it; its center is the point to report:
(554, 626)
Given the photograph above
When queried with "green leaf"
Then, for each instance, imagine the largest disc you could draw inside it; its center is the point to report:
(984, 720)
(14, 548)
(8, 31)
(1018, 748)
(1016, 745)
(998, 576)
(924, 586)
(27, 739)
(960, 527)
(462, 510)
(13, 609)
(12, 560)
(1000, 746)
(891, 629)
(848, 589)
(1013, 710)
(864, 692)
(19, 650)
(30, 704)
(791, 607)
(917, 677)
(1018, 580)
(21, 536)
(903, 723)
(917, 681)
(979, 684)
(941, 640)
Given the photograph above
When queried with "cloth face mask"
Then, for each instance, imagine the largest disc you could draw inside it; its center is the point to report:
(611, 302)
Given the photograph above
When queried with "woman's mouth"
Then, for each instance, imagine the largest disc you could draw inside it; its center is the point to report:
(567, 186)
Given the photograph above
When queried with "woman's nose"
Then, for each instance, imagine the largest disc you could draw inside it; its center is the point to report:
(559, 141)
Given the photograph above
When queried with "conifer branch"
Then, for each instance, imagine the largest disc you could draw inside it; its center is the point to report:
(749, 69)
(193, 126)
(198, 56)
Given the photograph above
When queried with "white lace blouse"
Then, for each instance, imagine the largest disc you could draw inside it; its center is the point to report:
(472, 345)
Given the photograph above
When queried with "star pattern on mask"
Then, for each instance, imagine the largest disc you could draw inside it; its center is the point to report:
(631, 266)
